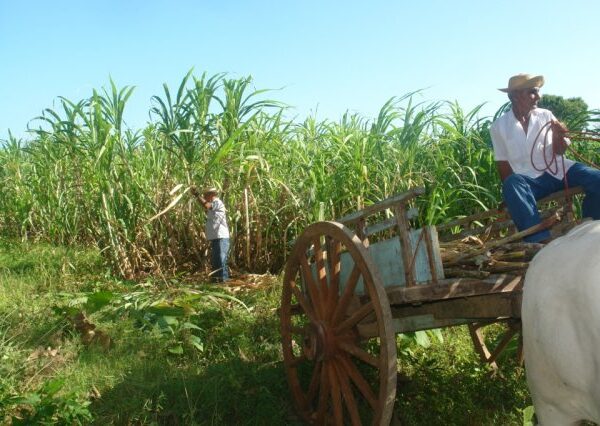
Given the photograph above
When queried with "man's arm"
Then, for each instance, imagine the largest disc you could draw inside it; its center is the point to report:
(200, 198)
(500, 152)
(504, 169)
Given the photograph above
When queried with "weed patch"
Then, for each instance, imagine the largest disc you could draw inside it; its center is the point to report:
(185, 352)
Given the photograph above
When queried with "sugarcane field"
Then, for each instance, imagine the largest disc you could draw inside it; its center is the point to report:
(263, 214)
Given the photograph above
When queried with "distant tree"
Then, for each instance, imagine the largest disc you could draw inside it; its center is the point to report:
(572, 111)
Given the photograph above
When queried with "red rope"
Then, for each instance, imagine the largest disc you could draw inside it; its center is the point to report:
(547, 128)
(582, 136)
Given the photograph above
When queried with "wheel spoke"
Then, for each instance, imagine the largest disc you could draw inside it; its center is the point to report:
(348, 395)
(313, 290)
(323, 396)
(359, 314)
(359, 353)
(321, 272)
(314, 382)
(304, 303)
(333, 257)
(360, 382)
(347, 295)
(336, 396)
(333, 377)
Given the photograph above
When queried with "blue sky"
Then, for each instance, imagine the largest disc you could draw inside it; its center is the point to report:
(328, 56)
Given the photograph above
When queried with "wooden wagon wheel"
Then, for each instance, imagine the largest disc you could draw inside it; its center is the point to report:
(336, 375)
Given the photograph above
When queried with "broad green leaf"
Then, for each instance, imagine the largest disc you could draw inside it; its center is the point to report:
(422, 339)
(51, 387)
(190, 326)
(97, 300)
(196, 342)
(28, 399)
(177, 350)
(166, 309)
(528, 413)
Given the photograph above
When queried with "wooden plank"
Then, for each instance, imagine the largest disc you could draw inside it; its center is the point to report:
(406, 248)
(381, 205)
(433, 253)
(476, 308)
(493, 227)
(360, 231)
(559, 197)
(387, 257)
(453, 288)
(545, 224)
(450, 312)
(472, 218)
(389, 223)
(480, 346)
(409, 324)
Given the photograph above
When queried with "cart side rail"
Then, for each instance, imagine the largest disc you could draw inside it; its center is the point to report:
(501, 215)
(377, 207)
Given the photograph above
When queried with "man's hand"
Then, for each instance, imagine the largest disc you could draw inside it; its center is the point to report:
(199, 197)
(560, 128)
(559, 133)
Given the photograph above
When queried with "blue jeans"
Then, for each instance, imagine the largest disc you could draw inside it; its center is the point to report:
(219, 249)
(521, 192)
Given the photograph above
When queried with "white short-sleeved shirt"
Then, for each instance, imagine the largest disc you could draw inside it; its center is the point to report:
(216, 221)
(513, 145)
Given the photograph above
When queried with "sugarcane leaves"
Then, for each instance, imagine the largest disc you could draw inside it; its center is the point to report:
(172, 204)
(225, 148)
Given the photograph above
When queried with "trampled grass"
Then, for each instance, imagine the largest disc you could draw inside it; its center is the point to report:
(236, 378)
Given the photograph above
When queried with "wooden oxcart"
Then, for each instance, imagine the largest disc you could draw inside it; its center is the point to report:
(351, 285)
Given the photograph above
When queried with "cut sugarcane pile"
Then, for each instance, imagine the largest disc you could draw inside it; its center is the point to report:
(472, 258)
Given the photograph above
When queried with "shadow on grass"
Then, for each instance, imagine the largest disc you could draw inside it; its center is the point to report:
(20, 267)
(229, 393)
(469, 394)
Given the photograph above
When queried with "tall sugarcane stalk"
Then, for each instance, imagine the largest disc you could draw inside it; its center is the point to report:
(84, 177)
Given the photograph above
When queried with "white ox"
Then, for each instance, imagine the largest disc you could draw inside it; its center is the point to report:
(561, 328)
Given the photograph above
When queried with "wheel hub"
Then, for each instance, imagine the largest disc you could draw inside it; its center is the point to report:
(319, 342)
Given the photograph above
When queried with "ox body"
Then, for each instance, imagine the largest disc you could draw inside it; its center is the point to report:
(561, 328)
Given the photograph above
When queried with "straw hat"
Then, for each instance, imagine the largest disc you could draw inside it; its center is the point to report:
(210, 190)
(523, 81)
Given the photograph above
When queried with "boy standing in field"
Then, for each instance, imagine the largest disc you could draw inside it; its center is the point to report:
(217, 232)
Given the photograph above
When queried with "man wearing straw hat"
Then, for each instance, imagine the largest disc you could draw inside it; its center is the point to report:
(217, 232)
(529, 146)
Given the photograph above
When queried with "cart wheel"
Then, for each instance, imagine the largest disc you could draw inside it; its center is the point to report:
(336, 374)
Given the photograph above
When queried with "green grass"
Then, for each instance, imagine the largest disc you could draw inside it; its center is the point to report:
(446, 384)
(238, 376)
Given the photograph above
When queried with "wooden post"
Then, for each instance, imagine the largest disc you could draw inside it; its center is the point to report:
(427, 235)
(405, 245)
(361, 231)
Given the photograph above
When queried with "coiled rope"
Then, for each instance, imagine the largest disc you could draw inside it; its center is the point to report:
(551, 164)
